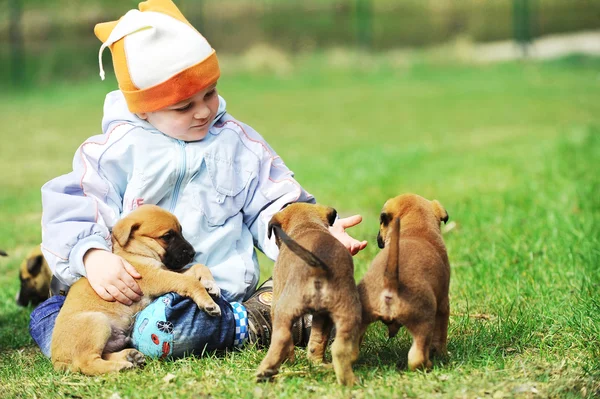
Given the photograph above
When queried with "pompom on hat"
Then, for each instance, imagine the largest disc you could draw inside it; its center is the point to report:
(159, 58)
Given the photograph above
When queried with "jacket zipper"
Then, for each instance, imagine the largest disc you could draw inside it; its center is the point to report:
(180, 177)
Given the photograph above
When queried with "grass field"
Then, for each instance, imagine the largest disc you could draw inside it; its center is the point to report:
(512, 151)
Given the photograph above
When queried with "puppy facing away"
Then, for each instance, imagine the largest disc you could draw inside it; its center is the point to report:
(35, 277)
(314, 273)
(407, 282)
(91, 335)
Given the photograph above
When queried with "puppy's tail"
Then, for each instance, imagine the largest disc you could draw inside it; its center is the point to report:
(2, 253)
(299, 250)
(391, 271)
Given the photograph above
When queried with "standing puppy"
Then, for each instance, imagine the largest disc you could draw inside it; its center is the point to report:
(407, 283)
(314, 273)
(91, 334)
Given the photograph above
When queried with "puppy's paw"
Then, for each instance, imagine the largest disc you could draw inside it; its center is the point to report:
(211, 287)
(346, 379)
(266, 375)
(136, 358)
(213, 310)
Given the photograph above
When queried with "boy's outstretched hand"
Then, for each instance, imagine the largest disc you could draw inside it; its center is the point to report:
(338, 230)
(112, 277)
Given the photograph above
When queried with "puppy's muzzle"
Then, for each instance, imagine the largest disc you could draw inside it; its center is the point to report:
(27, 295)
(380, 242)
(179, 254)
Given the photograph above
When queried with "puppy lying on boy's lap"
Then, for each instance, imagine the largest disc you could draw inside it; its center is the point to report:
(314, 273)
(91, 334)
(407, 282)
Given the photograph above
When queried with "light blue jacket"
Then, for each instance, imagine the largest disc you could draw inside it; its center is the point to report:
(223, 189)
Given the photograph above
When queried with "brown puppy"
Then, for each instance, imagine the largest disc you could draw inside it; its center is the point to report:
(407, 283)
(314, 273)
(35, 277)
(90, 334)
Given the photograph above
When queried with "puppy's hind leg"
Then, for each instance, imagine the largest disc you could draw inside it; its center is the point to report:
(440, 334)
(418, 355)
(319, 335)
(133, 356)
(282, 345)
(344, 349)
(88, 349)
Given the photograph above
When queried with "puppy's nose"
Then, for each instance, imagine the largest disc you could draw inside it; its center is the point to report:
(189, 252)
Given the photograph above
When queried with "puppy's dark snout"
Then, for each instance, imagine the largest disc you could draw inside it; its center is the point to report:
(179, 253)
(188, 253)
(380, 242)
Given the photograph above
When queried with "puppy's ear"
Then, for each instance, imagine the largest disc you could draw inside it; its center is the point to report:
(385, 218)
(439, 211)
(34, 265)
(274, 222)
(331, 216)
(123, 230)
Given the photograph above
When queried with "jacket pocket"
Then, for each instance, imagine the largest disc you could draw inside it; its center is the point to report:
(220, 188)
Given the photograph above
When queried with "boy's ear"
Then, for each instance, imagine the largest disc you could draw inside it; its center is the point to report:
(142, 115)
(123, 230)
(331, 216)
(439, 211)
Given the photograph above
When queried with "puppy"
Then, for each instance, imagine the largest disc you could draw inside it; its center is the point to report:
(407, 283)
(35, 277)
(3, 253)
(90, 334)
(314, 273)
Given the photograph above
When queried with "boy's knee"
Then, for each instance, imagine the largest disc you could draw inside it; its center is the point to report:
(174, 326)
(42, 320)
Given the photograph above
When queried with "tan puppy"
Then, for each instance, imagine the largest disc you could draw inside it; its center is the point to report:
(90, 334)
(35, 277)
(407, 283)
(314, 273)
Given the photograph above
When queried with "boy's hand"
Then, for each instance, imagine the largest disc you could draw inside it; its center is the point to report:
(338, 230)
(112, 277)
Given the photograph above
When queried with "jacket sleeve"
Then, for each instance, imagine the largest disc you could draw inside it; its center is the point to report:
(79, 210)
(272, 189)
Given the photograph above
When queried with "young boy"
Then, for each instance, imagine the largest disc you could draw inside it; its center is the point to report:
(169, 141)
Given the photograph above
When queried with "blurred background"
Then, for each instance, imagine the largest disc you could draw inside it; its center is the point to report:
(491, 107)
(46, 40)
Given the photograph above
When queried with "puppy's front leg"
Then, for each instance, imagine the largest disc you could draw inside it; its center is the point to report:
(202, 273)
(161, 281)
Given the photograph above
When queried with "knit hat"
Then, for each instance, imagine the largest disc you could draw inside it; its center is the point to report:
(159, 58)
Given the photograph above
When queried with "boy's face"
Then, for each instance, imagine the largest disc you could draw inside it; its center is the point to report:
(188, 120)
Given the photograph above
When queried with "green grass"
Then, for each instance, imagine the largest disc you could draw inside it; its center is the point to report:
(512, 152)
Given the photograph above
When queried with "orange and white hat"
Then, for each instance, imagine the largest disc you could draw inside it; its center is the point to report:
(159, 58)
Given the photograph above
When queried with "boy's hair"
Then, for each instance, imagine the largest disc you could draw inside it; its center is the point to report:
(159, 58)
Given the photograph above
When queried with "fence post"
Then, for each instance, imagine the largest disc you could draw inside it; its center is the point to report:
(522, 25)
(364, 23)
(17, 61)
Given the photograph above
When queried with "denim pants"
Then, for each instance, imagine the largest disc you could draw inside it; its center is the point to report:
(171, 326)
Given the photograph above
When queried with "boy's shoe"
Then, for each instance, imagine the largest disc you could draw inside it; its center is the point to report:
(260, 325)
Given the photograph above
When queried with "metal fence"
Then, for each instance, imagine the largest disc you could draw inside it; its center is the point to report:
(36, 36)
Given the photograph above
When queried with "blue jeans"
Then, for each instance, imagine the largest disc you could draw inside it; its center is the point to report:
(171, 326)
